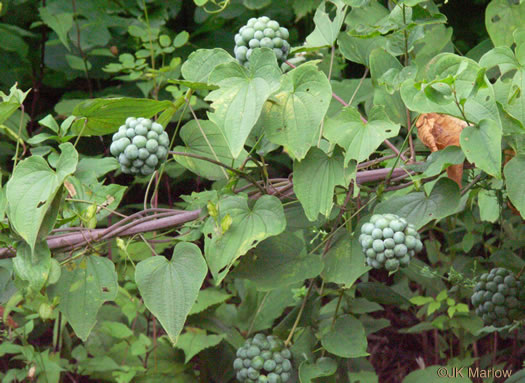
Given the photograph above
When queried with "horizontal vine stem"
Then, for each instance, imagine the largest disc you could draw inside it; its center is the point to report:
(84, 236)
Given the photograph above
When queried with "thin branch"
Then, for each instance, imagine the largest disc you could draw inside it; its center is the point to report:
(236, 171)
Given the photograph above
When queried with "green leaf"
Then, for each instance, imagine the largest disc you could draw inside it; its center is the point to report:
(3, 203)
(49, 122)
(489, 209)
(382, 65)
(318, 197)
(105, 195)
(84, 285)
(482, 146)
(363, 377)
(347, 338)
(250, 226)
(419, 209)
(11, 102)
(263, 308)
(278, 262)
(195, 340)
(32, 189)
(181, 39)
(199, 144)
(104, 116)
(193, 84)
(478, 106)
(61, 23)
(438, 161)
(514, 172)
(326, 30)
(90, 169)
(208, 297)
(430, 375)
(256, 4)
(170, 287)
(323, 367)
(380, 293)
(517, 376)
(345, 262)
(33, 267)
(359, 140)
(293, 116)
(241, 95)
(77, 63)
(358, 49)
(420, 301)
(502, 18)
(116, 329)
(202, 62)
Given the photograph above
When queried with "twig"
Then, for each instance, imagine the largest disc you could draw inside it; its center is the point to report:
(236, 171)
(82, 53)
(471, 184)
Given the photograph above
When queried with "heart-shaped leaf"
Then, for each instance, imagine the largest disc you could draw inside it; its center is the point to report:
(84, 285)
(170, 287)
(249, 226)
(419, 209)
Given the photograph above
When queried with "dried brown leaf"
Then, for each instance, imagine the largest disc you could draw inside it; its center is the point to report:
(437, 131)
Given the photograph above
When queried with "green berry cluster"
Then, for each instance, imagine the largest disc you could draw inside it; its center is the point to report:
(499, 297)
(261, 33)
(140, 146)
(263, 359)
(389, 241)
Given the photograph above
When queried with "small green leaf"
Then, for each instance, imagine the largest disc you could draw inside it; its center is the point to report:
(419, 209)
(515, 182)
(502, 18)
(250, 226)
(202, 62)
(61, 23)
(33, 267)
(208, 297)
(360, 139)
(326, 30)
(347, 339)
(482, 146)
(242, 92)
(293, 116)
(198, 136)
(49, 122)
(318, 197)
(324, 366)
(194, 341)
(420, 301)
(32, 189)
(489, 209)
(170, 287)
(181, 39)
(78, 63)
(84, 285)
(278, 262)
(345, 262)
(104, 116)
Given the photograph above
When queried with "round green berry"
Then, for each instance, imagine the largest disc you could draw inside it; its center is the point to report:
(131, 152)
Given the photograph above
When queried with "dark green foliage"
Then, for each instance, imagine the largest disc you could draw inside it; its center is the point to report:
(263, 359)
(499, 297)
(140, 146)
(389, 241)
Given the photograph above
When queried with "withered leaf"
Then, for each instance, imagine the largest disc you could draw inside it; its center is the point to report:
(437, 131)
